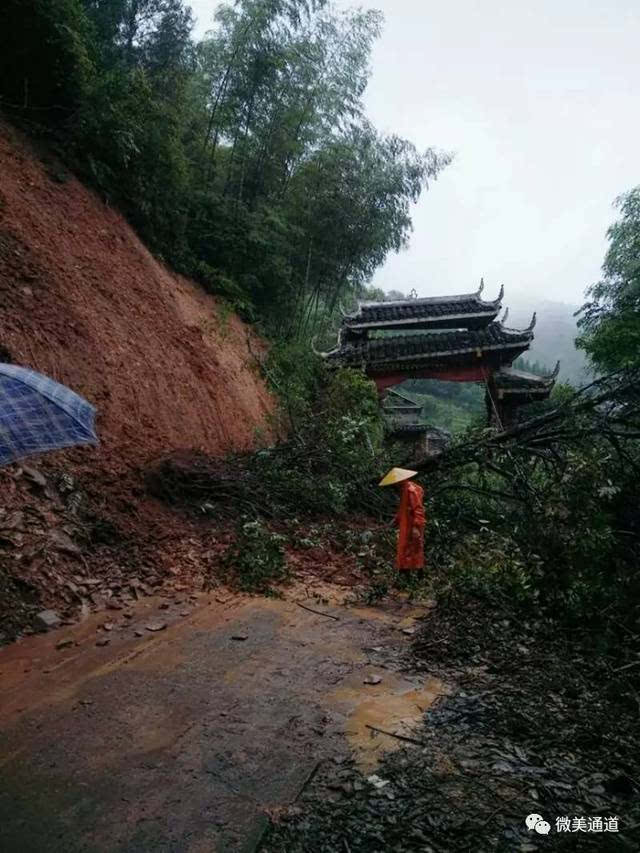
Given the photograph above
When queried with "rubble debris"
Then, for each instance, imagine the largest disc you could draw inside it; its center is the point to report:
(156, 626)
(34, 475)
(63, 542)
(46, 620)
(64, 644)
(377, 782)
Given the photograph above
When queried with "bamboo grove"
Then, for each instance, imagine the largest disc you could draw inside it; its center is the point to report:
(244, 159)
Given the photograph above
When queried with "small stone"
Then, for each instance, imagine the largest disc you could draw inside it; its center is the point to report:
(128, 615)
(409, 631)
(113, 604)
(377, 782)
(97, 600)
(103, 641)
(239, 636)
(63, 542)
(139, 633)
(34, 475)
(156, 626)
(108, 626)
(64, 644)
(185, 612)
(164, 605)
(47, 619)
(372, 679)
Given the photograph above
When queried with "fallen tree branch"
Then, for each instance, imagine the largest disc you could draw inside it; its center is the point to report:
(318, 612)
(397, 737)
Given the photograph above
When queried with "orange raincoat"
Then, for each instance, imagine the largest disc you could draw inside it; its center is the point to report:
(411, 520)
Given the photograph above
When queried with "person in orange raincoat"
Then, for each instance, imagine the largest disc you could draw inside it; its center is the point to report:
(410, 519)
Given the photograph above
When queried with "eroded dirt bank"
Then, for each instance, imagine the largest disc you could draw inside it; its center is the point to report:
(167, 366)
(84, 302)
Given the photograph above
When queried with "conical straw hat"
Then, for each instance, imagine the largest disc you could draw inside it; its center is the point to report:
(396, 475)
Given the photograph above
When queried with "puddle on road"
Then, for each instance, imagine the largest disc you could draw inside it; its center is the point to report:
(385, 706)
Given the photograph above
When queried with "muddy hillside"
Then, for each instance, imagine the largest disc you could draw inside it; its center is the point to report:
(169, 369)
(83, 301)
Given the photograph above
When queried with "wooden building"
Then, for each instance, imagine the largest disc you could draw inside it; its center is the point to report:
(455, 338)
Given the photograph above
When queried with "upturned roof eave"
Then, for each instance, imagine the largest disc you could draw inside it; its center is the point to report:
(522, 345)
(354, 323)
(431, 300)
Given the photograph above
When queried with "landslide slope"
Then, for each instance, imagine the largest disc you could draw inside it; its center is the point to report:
(83, 301)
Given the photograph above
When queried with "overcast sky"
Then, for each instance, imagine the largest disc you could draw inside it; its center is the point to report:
(539, 102)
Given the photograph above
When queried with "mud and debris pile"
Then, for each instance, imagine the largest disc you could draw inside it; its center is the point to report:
(62, 548)
(539, 724)
(83, 301)
(167, 366)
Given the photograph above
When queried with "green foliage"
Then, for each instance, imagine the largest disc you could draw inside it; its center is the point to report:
(256, 559)
(244, 160)
(546, 521)
(610, 321)
(535, 367)
(45, 57)
(333, 455)
(454, 406)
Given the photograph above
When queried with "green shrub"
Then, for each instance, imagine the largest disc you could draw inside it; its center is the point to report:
(256, 560)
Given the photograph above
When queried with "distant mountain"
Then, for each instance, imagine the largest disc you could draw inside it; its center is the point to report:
(555, 334)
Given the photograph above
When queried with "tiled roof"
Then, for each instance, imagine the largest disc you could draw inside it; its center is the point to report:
(409, 429)
(511, 379)
(430, 345)
(400, 395)
(427, 311)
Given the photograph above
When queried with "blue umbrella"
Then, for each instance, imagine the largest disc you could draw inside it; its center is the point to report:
(38, 414)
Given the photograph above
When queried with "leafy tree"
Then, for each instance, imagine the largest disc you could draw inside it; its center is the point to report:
(245, 160)
(610, 320)
(45, 57)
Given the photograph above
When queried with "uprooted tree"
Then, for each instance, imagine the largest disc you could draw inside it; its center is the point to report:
(547, 511)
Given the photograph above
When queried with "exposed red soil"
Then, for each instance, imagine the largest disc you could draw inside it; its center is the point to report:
(84, 302)
(166, 365)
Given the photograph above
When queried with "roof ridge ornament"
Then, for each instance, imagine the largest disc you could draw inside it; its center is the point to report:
(503, 319)
(345, 314)
(413, 294)
(499, 297)
(556, 371)
(532, 324)
(329, 352)
(481, 288)
(315, 351)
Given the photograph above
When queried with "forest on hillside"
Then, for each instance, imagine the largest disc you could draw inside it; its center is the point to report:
(245, 160)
